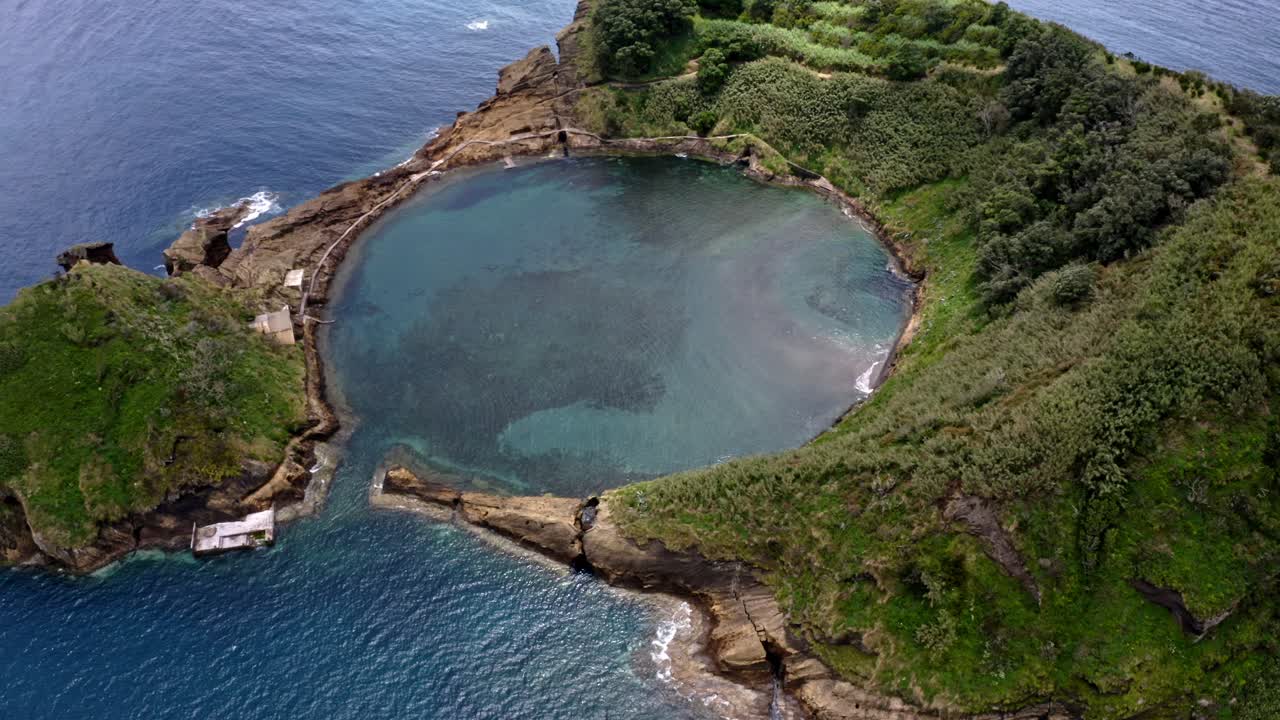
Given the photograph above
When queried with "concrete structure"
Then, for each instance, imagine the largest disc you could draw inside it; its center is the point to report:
(255, 530)
(293, 278)
(277, 325)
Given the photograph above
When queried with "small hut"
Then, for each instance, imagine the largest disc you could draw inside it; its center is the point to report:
(277, 325)
(255, 530)
(293, 278)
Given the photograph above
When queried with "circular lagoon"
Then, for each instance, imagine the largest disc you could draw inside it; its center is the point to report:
(561, 327)
(571, 326)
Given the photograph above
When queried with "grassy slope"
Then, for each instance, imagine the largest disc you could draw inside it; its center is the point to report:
(120, 388)
(1166, 371)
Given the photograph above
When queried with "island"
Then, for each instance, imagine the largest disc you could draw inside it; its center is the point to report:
(1063, 499)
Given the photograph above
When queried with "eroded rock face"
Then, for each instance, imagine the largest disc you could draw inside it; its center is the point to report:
(167, 527)
(97, 253)
(981, 521)
(750, 639)
(16, 544)
(205, 244)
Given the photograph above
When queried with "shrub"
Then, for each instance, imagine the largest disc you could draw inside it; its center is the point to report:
(1072, 285)
(907, 63)
(791, 43)
(703, 122)
(713, 68)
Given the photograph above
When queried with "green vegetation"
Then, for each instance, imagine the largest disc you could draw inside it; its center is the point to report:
(628, 31)
(1095, 360)
(1261, 115)
(120, 388)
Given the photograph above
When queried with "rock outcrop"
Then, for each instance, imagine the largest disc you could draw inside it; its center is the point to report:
(544, 523)
(206, 243)
(97, 253)
(750, 638)
(980, 520)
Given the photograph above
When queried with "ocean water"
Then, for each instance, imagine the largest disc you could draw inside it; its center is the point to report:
(577, 324)
(120, 121)
(354, 614)
(1233, 40)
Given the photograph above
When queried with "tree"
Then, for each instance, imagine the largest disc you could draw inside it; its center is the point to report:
(628, 32)
(994, 118)
(760, 10)
(720, 8)
(1043, 71)
(908, 62)
(713, 68)
(704, 122)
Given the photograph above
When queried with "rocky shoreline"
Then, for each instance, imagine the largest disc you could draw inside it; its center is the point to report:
(749, 638)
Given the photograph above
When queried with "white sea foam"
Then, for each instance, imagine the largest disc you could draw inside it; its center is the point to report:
(681, 619)
(259, 204)
(864, 380)
(478, 25)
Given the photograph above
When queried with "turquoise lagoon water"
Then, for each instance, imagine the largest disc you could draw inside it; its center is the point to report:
(574, 325)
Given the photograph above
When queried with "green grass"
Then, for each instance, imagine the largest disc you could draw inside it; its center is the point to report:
(120, 388)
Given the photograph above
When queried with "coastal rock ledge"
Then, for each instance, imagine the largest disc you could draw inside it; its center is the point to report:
(750, 639)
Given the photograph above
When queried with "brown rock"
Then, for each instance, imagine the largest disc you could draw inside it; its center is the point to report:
(205, 244)
(545, 523)
(97, 253)
(16, 544)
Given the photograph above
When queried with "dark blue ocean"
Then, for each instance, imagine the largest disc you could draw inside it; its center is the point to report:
(1233, 40)
(121, 120)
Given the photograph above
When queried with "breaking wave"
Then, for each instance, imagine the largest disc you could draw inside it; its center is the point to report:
(259, 204)
(478, 25)
(680, 620)
(864, 380)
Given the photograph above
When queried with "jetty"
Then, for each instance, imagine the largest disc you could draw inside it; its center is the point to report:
(255, 530)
